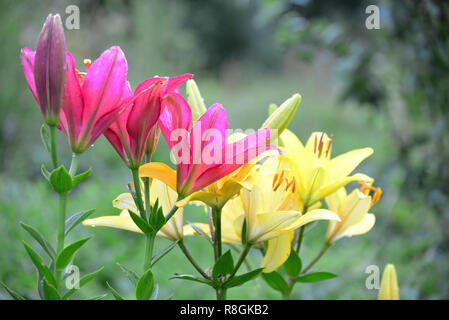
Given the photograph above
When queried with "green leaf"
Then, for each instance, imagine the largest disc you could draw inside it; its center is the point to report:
(11, 292)
(66, 255)
(84, 280)
(132, 276)
(40, 239)
(190, 278)
(40, 265)
(50, 291)
(81, 177)
(243, 232)
(162, 253)
(45, 136)
(275, 280)
(61, 180)
(293, 265)
(140, 223)
(115, 293)
(45, 173)
(316, 276)
(76, 219)
(239, 280)
(145, 286)
(223, 266)
(158, 220)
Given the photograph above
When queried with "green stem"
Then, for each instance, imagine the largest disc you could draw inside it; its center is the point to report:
(192, 260)
(135, 173)
(221, 293)
(53, 151)
(301, 232)
(74, 164)
(318, 257)
(149, 245)
(61, 225)
(216, 216)
(172, 211)
(241, 259)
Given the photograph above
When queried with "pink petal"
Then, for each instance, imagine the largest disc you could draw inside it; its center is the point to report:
(174, 82)
(27, 60)
(103, 85)
(71, 118)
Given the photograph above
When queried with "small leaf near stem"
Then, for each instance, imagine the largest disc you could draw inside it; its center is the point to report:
(139, 202)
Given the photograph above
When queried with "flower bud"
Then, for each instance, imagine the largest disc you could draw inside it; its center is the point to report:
(389, 289)
(152, 140)
(195, 100)
(280, 118)
(50, 68)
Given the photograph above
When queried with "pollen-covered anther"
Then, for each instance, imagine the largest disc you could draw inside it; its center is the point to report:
(366, 188)
(87, 63)
(329, 144)
(291, 184)
(279, 181)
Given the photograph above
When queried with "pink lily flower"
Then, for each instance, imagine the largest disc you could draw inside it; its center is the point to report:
(203, 156)
(93, 100)
(129, 135)
(47, 78)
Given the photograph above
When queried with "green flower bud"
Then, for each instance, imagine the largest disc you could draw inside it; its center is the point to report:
(195, 100)
(280, 118)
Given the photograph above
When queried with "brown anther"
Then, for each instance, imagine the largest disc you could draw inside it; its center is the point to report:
(320, 145)
(314, 146)
(291, 184)
(329, 145)
(274, 180)
(279, 181)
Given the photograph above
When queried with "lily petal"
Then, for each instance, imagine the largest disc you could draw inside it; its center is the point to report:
(160, 171)
(277, 252)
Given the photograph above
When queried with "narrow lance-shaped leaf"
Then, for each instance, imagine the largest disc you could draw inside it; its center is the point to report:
(39, 263)
(316, 276)
(162, 253)
(66, 255)
(293, 265)
(84, 280)
(132, 276)
(40, 239)
(239, 280)
(76, 219)
(115, 293)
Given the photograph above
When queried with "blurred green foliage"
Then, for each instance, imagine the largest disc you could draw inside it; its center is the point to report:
(247, 54)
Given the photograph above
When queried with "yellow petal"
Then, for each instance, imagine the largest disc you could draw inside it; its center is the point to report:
(125, 201)
(272, 224)
(313, 215)
(364, 226)
(159, 171)
(344, 164)
(389, 289)
(337, 184)
(189, 231)
(277, 252)
(119, 222)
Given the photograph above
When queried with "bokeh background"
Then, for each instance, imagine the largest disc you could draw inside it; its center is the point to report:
(386, 88)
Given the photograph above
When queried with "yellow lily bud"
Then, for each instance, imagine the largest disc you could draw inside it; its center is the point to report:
(389, 289)
(195, 101)
(281, 117)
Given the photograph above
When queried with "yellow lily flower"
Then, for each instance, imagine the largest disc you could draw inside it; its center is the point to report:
(389, 289)
(166, 196)
(316, 174)
(353, 211)
(270, 211)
